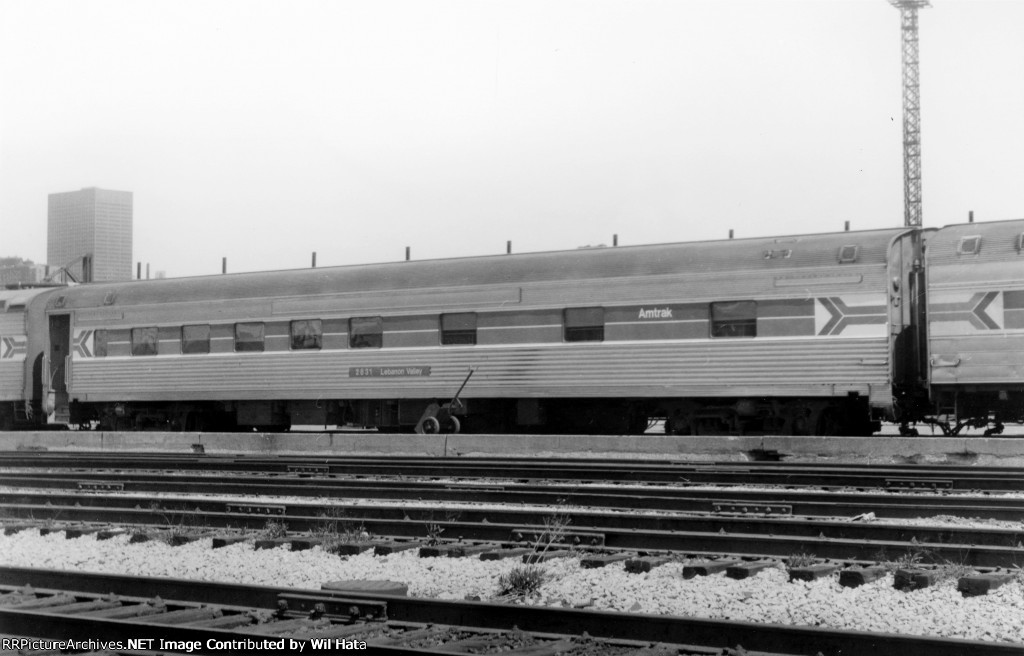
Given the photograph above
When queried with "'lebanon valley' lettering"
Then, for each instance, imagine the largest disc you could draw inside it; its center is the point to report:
(387, 372)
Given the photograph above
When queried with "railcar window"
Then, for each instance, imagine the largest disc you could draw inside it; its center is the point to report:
(969, 245)
(307, 334)
(144, 341)
(249, 337)
(584, 324)
(99, 343)
(195, 339)
(734, 319)
(366, 332)
(848, 254)
(459, 328)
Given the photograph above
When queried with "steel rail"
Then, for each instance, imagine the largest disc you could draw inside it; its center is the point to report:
(580, 518)
(844, 541)
(281, 462)
(673, 630)
(959, 478)
(654, 461)
(677, 498)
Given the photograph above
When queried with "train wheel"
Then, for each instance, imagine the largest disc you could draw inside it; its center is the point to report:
(451, 425)
(431, 426)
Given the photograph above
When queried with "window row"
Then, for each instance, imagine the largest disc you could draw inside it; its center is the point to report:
(730, 319)
(249, 336)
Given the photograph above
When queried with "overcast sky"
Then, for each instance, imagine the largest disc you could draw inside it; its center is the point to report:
(264, 131)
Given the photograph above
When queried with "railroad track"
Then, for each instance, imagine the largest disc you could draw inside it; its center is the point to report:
(171, 614)
(609, 531)
(952, 478)
(842, 502)
(764, 523)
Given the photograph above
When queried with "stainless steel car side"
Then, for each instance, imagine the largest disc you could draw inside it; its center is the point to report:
(801, 335)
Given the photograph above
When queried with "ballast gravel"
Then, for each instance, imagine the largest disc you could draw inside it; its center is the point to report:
(767, 597)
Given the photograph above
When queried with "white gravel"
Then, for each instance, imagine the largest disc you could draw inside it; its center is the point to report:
(767, 597)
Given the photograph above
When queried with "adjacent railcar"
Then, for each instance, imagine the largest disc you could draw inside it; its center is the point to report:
(976, 325)
(21, 353)
(788, 335)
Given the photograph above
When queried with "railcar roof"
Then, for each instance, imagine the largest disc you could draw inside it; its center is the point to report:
(998, 230)
(805, 251)
(17, 299)
(997, 241)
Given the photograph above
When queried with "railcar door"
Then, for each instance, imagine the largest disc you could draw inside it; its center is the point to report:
(58, 369)
(906, 319)
(901, 258)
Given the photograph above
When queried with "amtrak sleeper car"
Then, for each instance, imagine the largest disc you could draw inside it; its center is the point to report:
(800, 335)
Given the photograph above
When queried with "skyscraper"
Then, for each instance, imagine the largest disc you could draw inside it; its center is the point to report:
(95, 222)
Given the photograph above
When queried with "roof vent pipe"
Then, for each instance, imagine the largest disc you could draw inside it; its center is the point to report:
(970, 216)
(408, 253)
(730, 233)
(314, 259)
(508, 247)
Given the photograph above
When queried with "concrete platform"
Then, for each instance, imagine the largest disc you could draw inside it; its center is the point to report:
(987, 451)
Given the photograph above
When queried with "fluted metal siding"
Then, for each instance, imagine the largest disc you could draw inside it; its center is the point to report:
(961, 353)
(12, 323)
(531, 289)
(979, 360)
(12, 381)
(819, 367)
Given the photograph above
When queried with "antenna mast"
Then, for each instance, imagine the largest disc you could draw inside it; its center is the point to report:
(911, 112)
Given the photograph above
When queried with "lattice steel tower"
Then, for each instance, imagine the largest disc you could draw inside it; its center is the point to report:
(911, 111)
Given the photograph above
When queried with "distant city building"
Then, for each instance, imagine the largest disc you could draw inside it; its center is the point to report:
(26, 272)
(92, 222)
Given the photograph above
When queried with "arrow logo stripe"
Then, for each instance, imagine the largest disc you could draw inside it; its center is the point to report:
(973, 311)
(12, 347)
(843, 315)
(82, 343)
(833, 320)
(979, 311)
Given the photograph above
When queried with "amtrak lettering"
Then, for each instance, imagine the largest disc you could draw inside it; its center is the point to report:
(387, 372)
(655, 313)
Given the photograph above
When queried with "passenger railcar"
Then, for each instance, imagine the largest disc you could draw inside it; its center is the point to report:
(811, 334)
(975, 344)
(21, 352)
